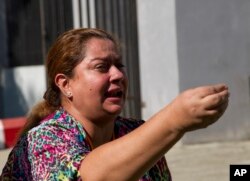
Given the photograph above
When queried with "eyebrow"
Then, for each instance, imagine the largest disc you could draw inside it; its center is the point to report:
(111, 58)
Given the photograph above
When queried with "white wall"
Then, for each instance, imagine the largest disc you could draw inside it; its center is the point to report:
(188, 43)
(157, 52)
(213, 46)
(23, 87)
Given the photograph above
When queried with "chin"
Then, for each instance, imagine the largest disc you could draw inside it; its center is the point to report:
(115, 110)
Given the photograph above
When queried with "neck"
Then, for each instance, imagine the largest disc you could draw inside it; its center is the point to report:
(100, 130)
(99, 134)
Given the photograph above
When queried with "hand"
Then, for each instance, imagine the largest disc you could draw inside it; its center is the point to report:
(199, 107)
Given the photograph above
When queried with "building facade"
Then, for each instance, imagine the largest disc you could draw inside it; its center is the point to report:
(188, 43)
(169, 46)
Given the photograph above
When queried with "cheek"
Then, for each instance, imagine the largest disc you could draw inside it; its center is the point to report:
(97, 86)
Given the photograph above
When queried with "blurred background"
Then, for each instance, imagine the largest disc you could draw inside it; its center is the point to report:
(168, 46)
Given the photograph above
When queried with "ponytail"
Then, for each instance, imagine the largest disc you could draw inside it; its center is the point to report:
(37, 113)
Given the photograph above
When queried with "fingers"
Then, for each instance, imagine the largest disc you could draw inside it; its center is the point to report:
(210, 116)
(209, 90)
(219, 110)
(212, 101)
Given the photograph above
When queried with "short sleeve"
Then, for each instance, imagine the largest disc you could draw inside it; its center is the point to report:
(56, 152)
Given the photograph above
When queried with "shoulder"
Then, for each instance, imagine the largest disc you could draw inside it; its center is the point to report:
(56, 147)
(126, 125)
(17, 165)
(57, 125)
(60, 133)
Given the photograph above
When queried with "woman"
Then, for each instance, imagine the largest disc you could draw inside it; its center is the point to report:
(76, 133)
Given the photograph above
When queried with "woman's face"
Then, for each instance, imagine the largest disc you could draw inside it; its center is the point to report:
(99, 84)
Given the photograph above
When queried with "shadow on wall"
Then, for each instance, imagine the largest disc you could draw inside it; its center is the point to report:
(12, 98)
(213, 47)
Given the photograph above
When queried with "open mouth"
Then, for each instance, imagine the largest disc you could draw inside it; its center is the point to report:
(117, 94)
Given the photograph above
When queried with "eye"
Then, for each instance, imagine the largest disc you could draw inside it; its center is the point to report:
(102, 67)
(120, 66)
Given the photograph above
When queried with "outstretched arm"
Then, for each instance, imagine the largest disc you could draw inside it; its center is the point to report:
(129, 157)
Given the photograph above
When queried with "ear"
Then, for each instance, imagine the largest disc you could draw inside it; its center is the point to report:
(62, 82)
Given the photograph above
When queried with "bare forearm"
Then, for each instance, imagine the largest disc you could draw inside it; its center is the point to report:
(132, 155)
(129, 157)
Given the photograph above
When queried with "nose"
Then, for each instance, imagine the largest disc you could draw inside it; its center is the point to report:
(116, 75)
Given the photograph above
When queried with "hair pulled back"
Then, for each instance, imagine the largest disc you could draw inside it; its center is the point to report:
(65, 54)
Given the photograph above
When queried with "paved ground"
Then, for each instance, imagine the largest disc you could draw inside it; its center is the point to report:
(3, 157)
(207, 162)
(201, 162)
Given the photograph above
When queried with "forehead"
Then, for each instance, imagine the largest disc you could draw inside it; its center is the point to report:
(97, 45)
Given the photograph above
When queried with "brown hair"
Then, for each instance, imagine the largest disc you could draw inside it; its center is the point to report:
(65, 54)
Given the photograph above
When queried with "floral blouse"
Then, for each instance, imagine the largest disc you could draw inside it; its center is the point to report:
(54, 150)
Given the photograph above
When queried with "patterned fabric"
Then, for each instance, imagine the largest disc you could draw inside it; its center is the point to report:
(54, 151)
